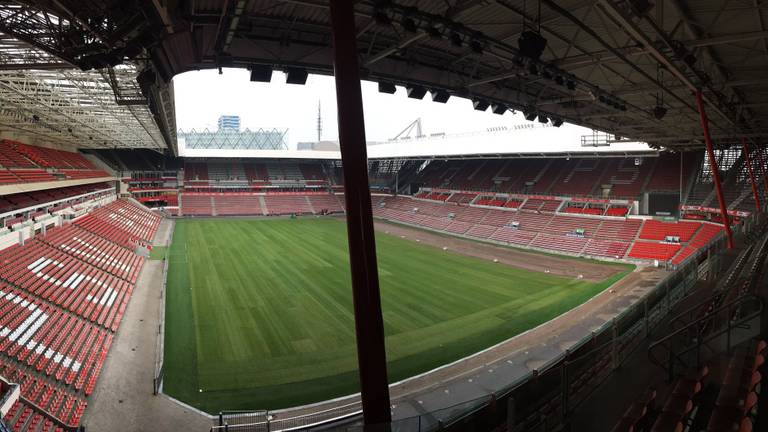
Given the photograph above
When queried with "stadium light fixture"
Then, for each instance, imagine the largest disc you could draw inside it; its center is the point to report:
(529, 114)
(296, 76)
(543, 118)
(434, 32)
(261, 73)
(416, 91)
(570, 84)
(409, 25)
(480, 104)
(381, 18)
(499, 109)
(533, 69)
(440, 96)
(387, 87)
(476, 46)
(531, 44)
(659, 112)
(557, 121)
(456, 39)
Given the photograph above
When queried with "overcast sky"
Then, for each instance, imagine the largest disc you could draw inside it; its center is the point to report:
(202, 96)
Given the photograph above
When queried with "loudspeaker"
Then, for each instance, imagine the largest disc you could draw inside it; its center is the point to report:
(296, 76)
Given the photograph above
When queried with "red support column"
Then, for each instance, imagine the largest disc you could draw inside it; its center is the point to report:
(369, 323)
(745, 150)
(715, 174)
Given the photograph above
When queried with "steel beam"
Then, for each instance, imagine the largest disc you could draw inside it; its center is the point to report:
(726, 221)
(745, 151)
(369, 323)
(762, 171)
(389, 51)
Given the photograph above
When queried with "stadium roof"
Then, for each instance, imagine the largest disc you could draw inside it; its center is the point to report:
(607, 64)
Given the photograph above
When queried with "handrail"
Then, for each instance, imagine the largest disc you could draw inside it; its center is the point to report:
(738, 267)
(666, 342)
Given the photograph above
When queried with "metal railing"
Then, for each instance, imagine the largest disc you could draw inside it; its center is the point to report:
(544, 398)
(684, 347)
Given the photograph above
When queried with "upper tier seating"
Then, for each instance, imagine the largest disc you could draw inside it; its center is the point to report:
(11, 158)
(626, 178)
(311, 171)
(618, 177)
(29, 199)
(23, 163)
(195, 171)
(579, 177)
(666, 174)
(50, 158)
(256, 172)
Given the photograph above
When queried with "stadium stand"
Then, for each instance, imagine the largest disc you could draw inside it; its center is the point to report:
(659, 230)
(653, 251)
(287, 204)
(63, 298)
(587, 236)
(666, 176)
(21, 163)
(13, 202)
(579, 177)
(227, 205)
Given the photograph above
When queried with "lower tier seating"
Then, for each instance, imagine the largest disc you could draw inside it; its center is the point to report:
(654, 251)
(287, 204)
(606, 248)
(658, 230)
(587, 236)
(325, 204)
(62, 298)
(228, 205)
(197, 205)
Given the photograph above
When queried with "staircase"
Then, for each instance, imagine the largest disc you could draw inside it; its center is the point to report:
(263, 204)
(309, 204)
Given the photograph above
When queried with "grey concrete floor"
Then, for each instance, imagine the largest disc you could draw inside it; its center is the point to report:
(123, 400)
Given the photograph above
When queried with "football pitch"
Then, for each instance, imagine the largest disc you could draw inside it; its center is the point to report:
(259, 311)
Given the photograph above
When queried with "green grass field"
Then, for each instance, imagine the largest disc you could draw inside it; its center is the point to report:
(259, 312)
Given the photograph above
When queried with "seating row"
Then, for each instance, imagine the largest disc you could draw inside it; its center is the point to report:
(66, 281)
(66, 294)
(95, 250)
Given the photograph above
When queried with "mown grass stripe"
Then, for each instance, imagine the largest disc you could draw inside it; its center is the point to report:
(259, 312)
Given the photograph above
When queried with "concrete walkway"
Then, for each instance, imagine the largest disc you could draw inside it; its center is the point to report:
(123, 400)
